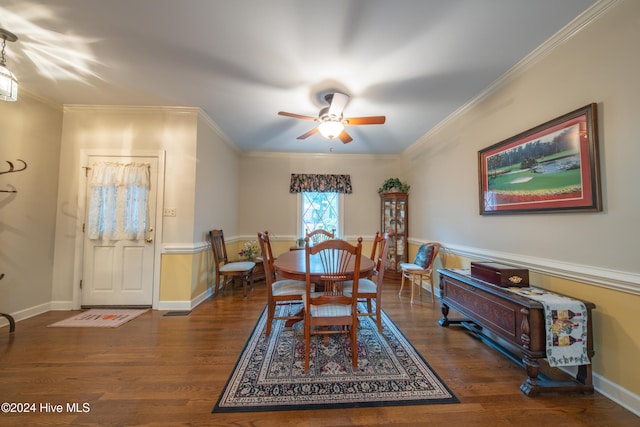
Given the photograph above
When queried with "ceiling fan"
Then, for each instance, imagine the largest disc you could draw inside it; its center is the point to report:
(331, 122)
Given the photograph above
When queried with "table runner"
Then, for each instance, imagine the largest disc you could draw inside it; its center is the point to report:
(566, 326)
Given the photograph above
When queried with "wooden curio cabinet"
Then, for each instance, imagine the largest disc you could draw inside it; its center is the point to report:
(395, 219)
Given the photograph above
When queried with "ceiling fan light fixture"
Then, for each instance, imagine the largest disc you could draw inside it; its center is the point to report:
(331, 128)
(8, 82)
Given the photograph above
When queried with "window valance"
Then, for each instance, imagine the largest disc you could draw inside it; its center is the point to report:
(321, 183)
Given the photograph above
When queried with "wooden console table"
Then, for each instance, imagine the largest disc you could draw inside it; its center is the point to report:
(512, 324)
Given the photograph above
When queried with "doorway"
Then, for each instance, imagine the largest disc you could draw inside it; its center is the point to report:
(121, 270)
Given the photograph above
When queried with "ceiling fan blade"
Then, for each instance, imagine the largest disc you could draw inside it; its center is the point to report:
(371, 120)
(338, 102)
(344, 137)
(308, 134)
(296, 116)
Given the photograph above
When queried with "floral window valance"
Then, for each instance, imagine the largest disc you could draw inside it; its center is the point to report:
(320, 183)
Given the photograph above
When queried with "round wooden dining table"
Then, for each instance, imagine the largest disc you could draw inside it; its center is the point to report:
(292, 265)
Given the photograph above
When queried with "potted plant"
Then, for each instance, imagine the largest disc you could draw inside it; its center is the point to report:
(392, 185)
(250, 250)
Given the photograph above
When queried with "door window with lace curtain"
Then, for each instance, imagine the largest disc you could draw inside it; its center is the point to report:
(118, 201)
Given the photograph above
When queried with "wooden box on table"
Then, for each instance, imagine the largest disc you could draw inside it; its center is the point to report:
(500, 274)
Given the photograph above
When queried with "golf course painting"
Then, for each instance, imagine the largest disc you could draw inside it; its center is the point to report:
(553, 167)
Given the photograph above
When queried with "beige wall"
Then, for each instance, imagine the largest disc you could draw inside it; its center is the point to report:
(123, 129)
(217, 184)
(595, 65)
(593, 256)
(265, 201)
(29, 130)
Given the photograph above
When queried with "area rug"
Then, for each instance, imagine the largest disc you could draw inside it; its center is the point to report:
(269, 375)
(100, 318)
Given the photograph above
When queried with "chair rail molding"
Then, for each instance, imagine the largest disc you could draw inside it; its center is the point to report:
(621, 281)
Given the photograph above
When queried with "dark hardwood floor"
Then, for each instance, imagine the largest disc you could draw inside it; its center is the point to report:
(166, 371)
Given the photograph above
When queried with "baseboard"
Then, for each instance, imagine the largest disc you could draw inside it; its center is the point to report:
(26, 313)
(202, 297)
(614, 392)
(174, 305)
(185, 305)
(61, 305)
(68, 305)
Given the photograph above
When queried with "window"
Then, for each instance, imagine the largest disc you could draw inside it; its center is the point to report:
(320, 200)
(118, 205)
(320, 211)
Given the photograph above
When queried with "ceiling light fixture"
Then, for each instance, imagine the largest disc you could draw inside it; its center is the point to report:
(8, 82)
(331, 128)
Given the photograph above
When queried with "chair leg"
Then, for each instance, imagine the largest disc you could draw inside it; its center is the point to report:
(354, 345)
(378, 318)
(433, 291)
(216, 286)
(220, 287)
(245, 283)
(271, 309)
(307, 344)
(413, 285)
(401, 283)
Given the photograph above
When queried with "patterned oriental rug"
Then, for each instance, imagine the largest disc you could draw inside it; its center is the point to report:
(269, 375)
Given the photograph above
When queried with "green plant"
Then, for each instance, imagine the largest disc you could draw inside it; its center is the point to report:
(394, 184)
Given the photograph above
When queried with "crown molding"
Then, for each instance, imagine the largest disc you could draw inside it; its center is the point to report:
(581, 22)
(282, 154)
(202, 115)
(24, 91)
(130, 108)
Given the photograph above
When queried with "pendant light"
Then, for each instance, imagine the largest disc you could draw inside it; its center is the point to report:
(8, 82)
(331, 128)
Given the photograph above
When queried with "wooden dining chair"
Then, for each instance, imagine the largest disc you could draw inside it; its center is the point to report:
(377, 240)
(370, 288)
(332, 306)
(279, 292)
(229, 270)
(319, 235)
(421, 268)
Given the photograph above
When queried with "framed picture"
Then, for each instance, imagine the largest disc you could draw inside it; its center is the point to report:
(553, 167)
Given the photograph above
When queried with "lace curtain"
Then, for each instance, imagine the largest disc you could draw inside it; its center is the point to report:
(118, 204)
(318, 183)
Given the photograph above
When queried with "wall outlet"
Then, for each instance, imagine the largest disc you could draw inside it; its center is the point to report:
(169, 211)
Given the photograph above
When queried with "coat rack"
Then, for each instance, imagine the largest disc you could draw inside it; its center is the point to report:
(12, 322)
(12, 169)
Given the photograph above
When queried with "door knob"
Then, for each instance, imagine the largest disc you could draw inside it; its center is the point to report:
(149, 239)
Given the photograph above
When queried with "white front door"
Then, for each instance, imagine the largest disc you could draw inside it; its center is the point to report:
(120, 272)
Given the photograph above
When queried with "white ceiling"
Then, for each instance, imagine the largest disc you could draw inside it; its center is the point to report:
(242, 61)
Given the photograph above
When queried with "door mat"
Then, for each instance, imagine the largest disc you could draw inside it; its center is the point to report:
(269, 374)
(99, 318)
